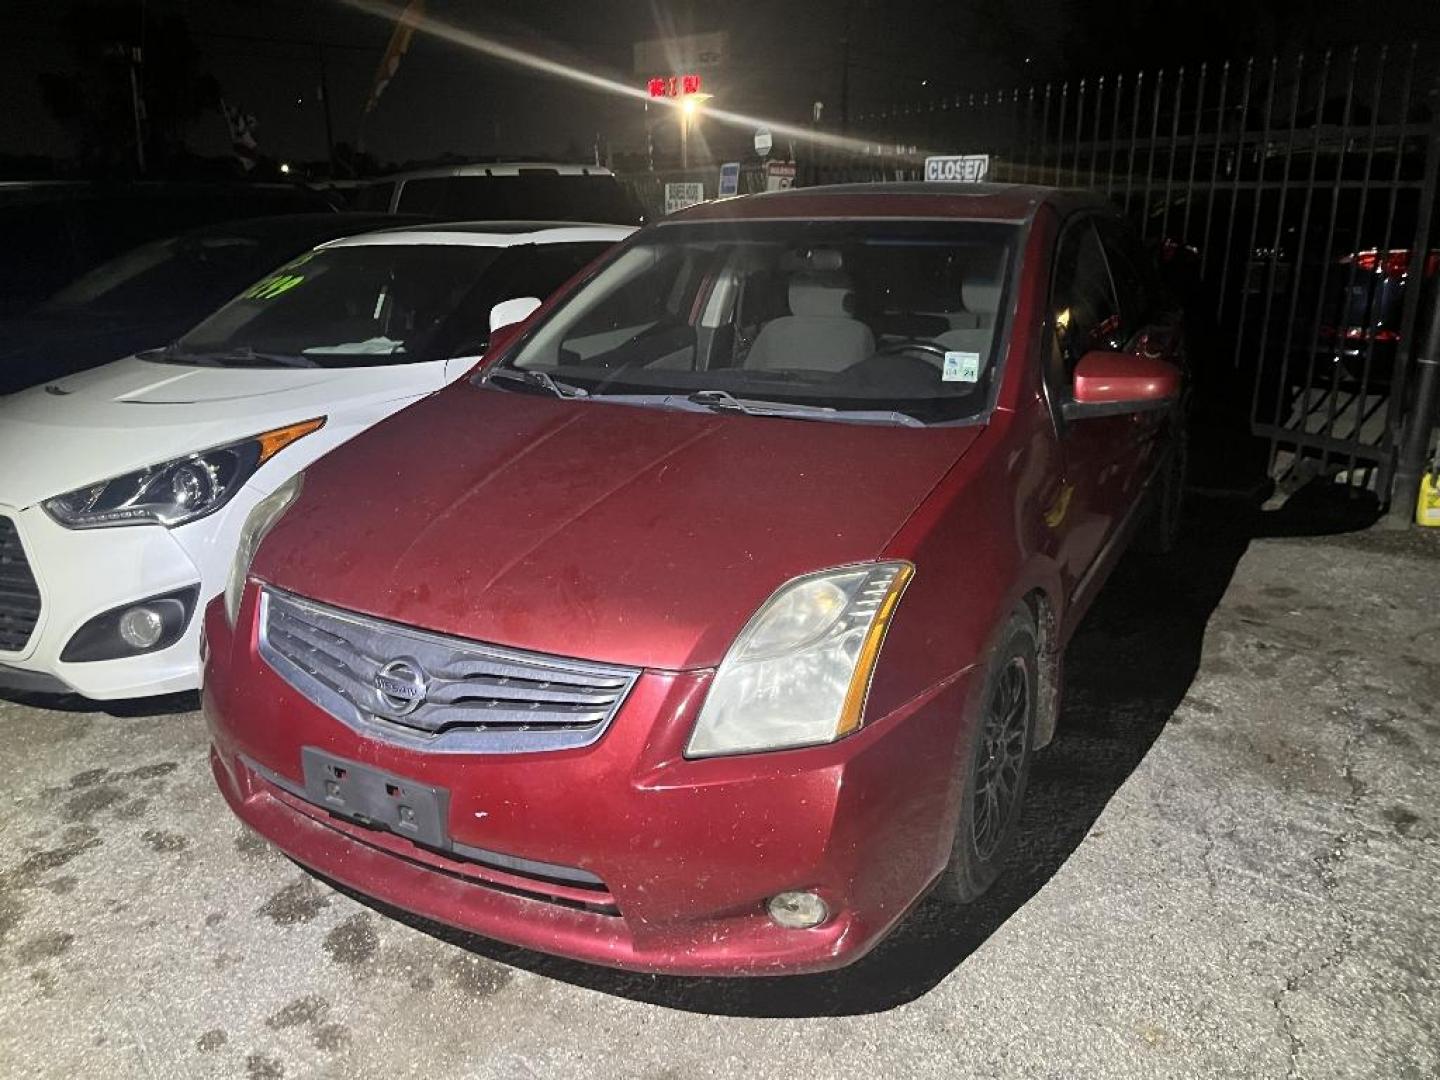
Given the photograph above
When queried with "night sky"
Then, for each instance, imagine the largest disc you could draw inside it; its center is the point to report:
(784, 55)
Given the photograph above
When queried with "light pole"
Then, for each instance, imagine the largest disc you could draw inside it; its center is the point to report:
(689, 113)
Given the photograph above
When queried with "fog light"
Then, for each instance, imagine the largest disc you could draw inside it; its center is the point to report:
(797, 910)
(132, 629)
(141, 627)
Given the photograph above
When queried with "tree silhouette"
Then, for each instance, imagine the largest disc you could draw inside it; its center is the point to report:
(94, 102)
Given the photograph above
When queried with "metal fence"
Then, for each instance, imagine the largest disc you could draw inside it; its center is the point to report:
(1292, 199)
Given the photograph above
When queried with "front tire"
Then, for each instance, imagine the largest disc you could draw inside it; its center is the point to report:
(998, 766)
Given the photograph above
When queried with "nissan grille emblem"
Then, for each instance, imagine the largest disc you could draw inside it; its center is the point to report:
(401, 685)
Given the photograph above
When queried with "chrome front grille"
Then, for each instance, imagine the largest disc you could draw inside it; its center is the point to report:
(19, 594)
(428, 691)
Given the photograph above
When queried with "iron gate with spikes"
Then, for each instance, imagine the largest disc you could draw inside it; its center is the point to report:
(1292, 199)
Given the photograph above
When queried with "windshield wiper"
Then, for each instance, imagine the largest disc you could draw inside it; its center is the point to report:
(244, 355)
(542, 379)
(724, 401)
(708, 400)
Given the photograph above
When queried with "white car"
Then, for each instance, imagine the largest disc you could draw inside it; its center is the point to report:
(123, 489)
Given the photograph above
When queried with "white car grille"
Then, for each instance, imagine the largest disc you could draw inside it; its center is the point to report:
(19, 593)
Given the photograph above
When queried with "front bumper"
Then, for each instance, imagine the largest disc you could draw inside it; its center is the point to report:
(687, 852)
(81, 574)
(30, 682)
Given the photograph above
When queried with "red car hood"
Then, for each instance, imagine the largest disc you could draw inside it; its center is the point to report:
(597, 531)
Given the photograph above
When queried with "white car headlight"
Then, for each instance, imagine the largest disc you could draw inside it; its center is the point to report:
(263, 517)
(174, 492)
(799, 672)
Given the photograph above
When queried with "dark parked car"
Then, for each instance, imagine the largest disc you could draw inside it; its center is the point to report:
(715, 620)
(152, 294)
(52, 232)
(1361, 329)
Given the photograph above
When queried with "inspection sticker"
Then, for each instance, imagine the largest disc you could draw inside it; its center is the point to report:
(961, 367)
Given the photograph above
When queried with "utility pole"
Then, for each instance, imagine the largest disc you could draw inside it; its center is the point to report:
(132, 55)
(325, 102)
(138, 106)
(649, 139)
(137, 100)
(845, 71)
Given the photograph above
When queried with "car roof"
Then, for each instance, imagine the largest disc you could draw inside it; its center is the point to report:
(501, 168)
(491, 234)
(970, 202)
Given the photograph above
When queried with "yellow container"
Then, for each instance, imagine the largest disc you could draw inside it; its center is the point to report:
(1427, 507)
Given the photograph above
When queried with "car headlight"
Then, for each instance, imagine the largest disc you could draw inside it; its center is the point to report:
(174, 492)
(799, 672)
(263, 517)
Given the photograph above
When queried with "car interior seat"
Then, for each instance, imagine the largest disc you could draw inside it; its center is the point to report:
(821, 332)
(980, 293)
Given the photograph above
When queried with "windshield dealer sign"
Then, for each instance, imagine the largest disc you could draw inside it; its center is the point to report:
(958, 168)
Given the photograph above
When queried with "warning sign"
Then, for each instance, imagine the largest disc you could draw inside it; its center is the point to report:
(680, 195)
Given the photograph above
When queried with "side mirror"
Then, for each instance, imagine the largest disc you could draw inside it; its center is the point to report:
(508, 312)
(1113, 384)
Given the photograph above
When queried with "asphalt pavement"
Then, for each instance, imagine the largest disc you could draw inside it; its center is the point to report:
(1229, 867)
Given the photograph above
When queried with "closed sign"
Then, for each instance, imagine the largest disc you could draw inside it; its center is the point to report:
(958, 168)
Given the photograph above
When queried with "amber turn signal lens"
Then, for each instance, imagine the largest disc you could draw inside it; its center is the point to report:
(272, 442)
(854, 707)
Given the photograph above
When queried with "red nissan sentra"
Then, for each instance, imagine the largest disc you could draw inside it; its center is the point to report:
(716, 619)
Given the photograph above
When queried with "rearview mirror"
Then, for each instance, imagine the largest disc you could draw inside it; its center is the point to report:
(1113, 383)
(508, 312)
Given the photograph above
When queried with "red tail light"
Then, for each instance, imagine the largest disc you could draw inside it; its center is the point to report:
(1394, 264)
(1358, 333)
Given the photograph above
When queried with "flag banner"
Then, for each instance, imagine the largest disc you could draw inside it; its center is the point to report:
(399, 43)
(242, 135)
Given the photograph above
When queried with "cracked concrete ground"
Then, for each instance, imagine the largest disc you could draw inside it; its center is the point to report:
(1229, 867)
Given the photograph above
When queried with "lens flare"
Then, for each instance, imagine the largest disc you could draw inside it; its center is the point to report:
(510, 54)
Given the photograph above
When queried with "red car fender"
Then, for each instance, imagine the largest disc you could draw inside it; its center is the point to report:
(1012, 478)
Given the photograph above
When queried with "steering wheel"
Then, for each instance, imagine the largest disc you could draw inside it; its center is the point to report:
(912, 345)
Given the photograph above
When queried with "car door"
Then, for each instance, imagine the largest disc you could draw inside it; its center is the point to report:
(1150, 326)
(1098, 452)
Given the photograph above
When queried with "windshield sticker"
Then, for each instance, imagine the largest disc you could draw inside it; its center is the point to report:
(961, 367)
(272, 287)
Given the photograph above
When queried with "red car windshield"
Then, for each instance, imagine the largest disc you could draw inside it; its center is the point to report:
(870, 320)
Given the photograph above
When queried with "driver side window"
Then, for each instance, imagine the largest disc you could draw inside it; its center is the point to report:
(1084, 313)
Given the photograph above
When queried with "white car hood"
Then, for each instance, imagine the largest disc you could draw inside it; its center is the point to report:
(133, 413)
(143, 382)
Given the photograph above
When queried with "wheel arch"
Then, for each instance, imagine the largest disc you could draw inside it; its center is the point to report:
(1048, 679)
